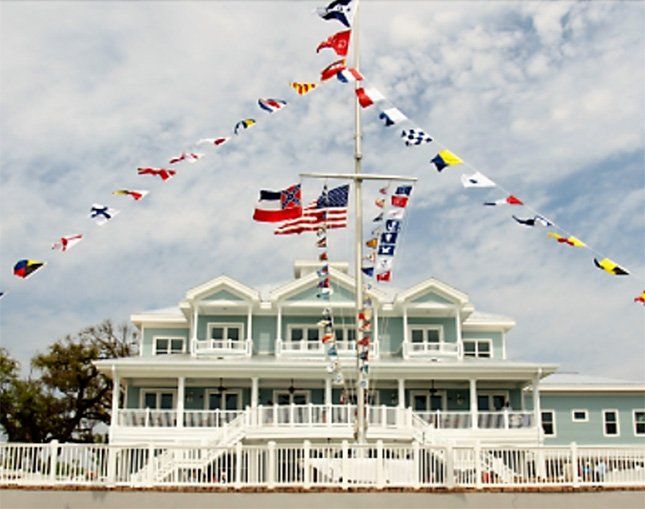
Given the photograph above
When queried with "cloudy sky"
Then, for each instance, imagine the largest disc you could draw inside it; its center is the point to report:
(545, 98)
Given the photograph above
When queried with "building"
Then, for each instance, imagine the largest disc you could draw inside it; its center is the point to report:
(229, 365)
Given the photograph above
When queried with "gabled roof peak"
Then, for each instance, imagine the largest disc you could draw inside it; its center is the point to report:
(223, 282)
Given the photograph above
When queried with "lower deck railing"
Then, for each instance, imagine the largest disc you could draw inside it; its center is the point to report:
(308, 465)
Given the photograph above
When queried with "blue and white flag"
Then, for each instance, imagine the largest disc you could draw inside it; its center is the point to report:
(392, 116)
(403, 190)
(389, 237)
(392, 225)
(386, 249)
(340, 10)
(101, 214)
(271, 105)
(415, 137)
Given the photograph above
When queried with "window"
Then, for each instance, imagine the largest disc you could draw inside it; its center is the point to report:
(580, 415)
(639, 422)
(165, 346)
(345, 333)
(297, 397)
(426, 334)
(610, 424)
(492, 401)
(548, 423)
(304, 333)
(482, 348)
(225, 331)
(228, 399)
(158, 399)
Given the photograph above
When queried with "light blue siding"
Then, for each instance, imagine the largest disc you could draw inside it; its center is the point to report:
(264, 328)
(449, 326)
(432, 297)
(391, 336)
(204, 320)
(222, 295)
(591, 432)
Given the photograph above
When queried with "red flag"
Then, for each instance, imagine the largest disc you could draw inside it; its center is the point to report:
(338, 42)
(332, 69)
(385, 276)
(512, 200)
(399, 201)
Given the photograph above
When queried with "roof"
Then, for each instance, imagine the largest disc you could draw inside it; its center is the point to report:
(574, 382)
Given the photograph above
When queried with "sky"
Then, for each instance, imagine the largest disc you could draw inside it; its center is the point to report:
(545, 98)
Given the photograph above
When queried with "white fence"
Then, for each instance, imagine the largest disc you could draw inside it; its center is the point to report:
(309, 465)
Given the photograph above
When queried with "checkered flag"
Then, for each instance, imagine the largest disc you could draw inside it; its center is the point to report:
(415, 137)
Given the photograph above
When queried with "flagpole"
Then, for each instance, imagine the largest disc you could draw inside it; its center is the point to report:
(361, 378)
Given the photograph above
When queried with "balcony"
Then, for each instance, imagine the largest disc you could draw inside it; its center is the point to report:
(316, 349)
(430, 350)
(224, 347)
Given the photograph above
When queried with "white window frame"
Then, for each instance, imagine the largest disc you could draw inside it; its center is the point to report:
(425, 329)
(477, 341)
(157, 392)
(169, 339)
(604, 423)
(584, 419)
(341, 332)
(306, 327)
(225, 325)
(208, 392)
(553, 422)
(636, 433)
(426, 392)
(306, 392)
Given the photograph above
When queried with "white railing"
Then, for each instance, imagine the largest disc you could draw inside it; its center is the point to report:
(302, 415)
(145, 417)
(446, 420)
(505, 419)
(316, 349)
(209, 418)
(224, 347)
(441, 349)
(306, 465)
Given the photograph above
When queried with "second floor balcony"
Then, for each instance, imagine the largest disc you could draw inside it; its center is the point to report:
(224, 347)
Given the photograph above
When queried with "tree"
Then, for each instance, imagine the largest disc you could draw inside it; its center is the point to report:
(69, 398)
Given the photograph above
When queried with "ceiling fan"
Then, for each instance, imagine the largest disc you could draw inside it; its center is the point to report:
(433, 390)
(220, 388)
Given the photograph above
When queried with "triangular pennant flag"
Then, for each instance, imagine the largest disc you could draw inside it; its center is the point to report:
(340, 10)
(67, 242)
(477, 180)
(135, 194)
(509, 200)
(532, 221)
(570, 241)
(101, 214)
(271, 105)
(610, 266)
(640, 298)
(243, 124)
(191, 157)
(303, 88)
(25, 268)
(214, 141)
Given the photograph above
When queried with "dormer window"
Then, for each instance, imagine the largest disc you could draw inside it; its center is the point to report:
(481, 348)
(432, 334)
(167, 346)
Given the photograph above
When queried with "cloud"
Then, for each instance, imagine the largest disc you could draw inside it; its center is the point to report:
(545, 99)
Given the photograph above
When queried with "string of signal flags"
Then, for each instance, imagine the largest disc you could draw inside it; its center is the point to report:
(393, 118)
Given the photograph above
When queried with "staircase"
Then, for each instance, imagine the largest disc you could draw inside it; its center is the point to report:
(167, 464)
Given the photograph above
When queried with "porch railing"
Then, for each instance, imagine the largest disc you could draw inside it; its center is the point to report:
(304, 348)
(224, 347)
(451, 350)
(306, 465)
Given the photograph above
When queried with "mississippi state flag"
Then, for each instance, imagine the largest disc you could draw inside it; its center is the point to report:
(276, 206)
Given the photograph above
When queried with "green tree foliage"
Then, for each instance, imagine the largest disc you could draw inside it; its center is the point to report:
(65, 397)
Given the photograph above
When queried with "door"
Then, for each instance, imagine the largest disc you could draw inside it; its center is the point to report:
(224, 400)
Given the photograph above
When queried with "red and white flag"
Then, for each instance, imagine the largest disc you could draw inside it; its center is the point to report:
(368, 96)
(214, 141)
(384, 276)
(349, 75)
(136, 194)
(332, 69)
(509, 200)
(338, 42)
(191, 157)
(67, 242)
(163, 173)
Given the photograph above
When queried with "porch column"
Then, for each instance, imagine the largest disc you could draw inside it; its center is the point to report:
(401, 397)
(249, 323)
(193, 342)
(460, 342)
(328, 398)
(405, 332)
(377, 349)
(181, 391)
(254, 392)
(278, 333)
(537, 409)
(473, 403)
(115, 398)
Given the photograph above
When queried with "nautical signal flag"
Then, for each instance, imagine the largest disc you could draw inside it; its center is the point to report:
(135, 194)
(399, 200)
(332, 69)
(386, 249)
(349, 75)
(532, 221)
(389, 237)
(191, 157)
(25, 268)
(302, 88)
(444, 159)
(570, 241)
(384, 263)
(67, 242)
(392, 116)
(163, 173)
(368, 271)
(101, 214)
(214, 141)
(509, 200)
(476, 180)
(271, 105)
(368, 96)
(395, 213)
(610, 266)
(373, 242)
(339, 42)
(340, 10)
(640, 298)
(384, 276)
(406, 190)
(379, 202)
(392, 225)
(243, 124)
(276, 206)
(413, 137)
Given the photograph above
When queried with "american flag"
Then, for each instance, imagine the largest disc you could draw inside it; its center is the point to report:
(329, 211)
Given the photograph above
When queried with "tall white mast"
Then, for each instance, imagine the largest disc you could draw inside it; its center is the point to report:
(361, 377)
